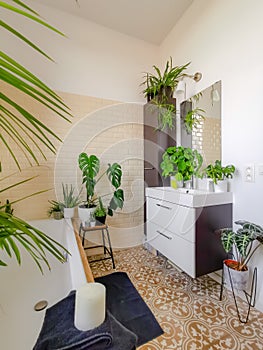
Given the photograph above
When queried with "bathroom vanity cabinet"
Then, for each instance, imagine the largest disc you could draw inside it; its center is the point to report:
(182, 225)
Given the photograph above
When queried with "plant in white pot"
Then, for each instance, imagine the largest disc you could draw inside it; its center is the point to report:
(182, 163)
(70, 201)
(242, 244)
(90, 167)
(219, 175)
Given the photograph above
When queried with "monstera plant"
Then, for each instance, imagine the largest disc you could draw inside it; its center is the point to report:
(21, 130)
(90, 167)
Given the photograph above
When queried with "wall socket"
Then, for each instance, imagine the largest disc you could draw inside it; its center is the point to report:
(250, 172)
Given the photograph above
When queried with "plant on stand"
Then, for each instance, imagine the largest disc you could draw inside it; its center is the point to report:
(182, 163)
(100, 212)
(240, 244)
(90, 167)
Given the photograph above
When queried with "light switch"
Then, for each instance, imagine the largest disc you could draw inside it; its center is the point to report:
(250, 173)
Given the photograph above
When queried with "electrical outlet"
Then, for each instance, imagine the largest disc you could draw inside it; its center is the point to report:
(250, 173)
(260, 169)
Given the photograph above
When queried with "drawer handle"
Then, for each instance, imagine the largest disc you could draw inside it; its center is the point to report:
(149, 168)
(163, 206)
(168, 237)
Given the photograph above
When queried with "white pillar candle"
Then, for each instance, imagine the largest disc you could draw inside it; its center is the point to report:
(90, 306)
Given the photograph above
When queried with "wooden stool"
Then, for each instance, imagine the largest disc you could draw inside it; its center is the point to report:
(102, 228)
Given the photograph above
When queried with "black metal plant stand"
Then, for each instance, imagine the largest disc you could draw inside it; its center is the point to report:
(250, 297)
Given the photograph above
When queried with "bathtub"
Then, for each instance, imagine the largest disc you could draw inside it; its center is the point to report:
(21, 287)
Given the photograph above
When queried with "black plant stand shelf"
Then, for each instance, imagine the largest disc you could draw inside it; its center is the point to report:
(108, 253)
(250, 297)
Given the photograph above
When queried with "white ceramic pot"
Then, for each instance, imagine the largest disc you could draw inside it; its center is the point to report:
(239, 278)
(68, 213)
(174, 183)
(221, 186)
(84, 213)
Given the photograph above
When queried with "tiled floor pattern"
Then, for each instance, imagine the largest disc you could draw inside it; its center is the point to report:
(188, 310)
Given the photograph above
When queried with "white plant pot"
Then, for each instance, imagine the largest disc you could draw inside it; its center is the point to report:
(68, 213)
(174, 183)
(221, 186)
(239, 278)
(84, 213)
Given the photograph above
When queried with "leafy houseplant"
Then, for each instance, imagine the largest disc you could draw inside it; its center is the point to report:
(100, 212)
(181, 162)
(217, 172)
(159, 88)
(90, 166)
(240, 243)
(55, 210)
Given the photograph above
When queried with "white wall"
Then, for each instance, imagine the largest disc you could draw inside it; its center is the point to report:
(223, 40)
(93, 60)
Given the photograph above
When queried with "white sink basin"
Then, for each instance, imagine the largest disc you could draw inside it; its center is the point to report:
(189, 197)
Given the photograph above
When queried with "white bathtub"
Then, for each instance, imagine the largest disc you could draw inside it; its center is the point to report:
(21, 287)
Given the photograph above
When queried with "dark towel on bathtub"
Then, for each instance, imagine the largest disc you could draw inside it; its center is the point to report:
(59, 333)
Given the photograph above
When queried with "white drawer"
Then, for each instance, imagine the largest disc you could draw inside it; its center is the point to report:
(177, 219)
(175, 248)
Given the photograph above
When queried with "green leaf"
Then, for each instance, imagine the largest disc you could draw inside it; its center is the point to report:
(227, 238)
(114, 173)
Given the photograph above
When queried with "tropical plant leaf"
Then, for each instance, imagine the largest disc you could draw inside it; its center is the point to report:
(90, 166)
(228, 239)
(116, 201)
(114, 174)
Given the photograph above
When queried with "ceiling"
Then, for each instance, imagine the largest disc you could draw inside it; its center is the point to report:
(149, 20)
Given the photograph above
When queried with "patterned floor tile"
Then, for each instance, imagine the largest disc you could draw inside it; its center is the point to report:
(188, 310)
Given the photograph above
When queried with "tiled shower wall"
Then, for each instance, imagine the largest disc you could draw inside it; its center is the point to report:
(111, 130)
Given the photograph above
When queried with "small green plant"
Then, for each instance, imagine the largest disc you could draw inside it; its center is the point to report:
(181, 162)
(100, 209)
(217, 172)
(193, 118)
(55, 207)
(242, 241)
(69, 199)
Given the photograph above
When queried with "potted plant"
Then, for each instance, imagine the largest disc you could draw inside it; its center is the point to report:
(219, 174)
(55, 210)
(90, 166)
(182, 163)
(100, 212)
(159, 89)
(70, 201)
(241, 245)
